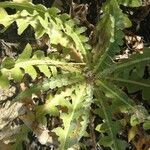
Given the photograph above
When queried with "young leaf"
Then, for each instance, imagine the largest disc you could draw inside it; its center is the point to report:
(8, 63)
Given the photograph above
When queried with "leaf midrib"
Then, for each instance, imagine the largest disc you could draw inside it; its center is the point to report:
(115, 94)
(128, 81)
(115, 67)
(78, 99)
(45, 62)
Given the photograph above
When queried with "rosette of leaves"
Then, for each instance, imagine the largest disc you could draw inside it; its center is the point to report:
(80, 79)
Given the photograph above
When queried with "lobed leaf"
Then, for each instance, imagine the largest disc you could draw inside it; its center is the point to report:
(71, 133)
(61, 29)
(51, 83)
(111, 91)
(130, 73)
(110, 37)
(26, 63)
(110, 127)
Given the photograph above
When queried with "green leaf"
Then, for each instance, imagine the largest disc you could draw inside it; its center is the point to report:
(109, 33)
(24, 6)
(72, 77)
(6, 22)
(21, 23)
(130, 3)
(4, 82)
(50, 106)
(54, 11)
(132, 133)
(17, 74)
(45, 69)
(110, 127)
(115, 93)
(60, 28)
(106, 141)
(139, 115)
(27, 62)
(134, 121)
(133, 84)
(146, 125)
(26, 54)
(69, 133)
(130, 73)
(8, 63)
(51, 83)
(76, 38)
(31, 71)
(128, 64)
